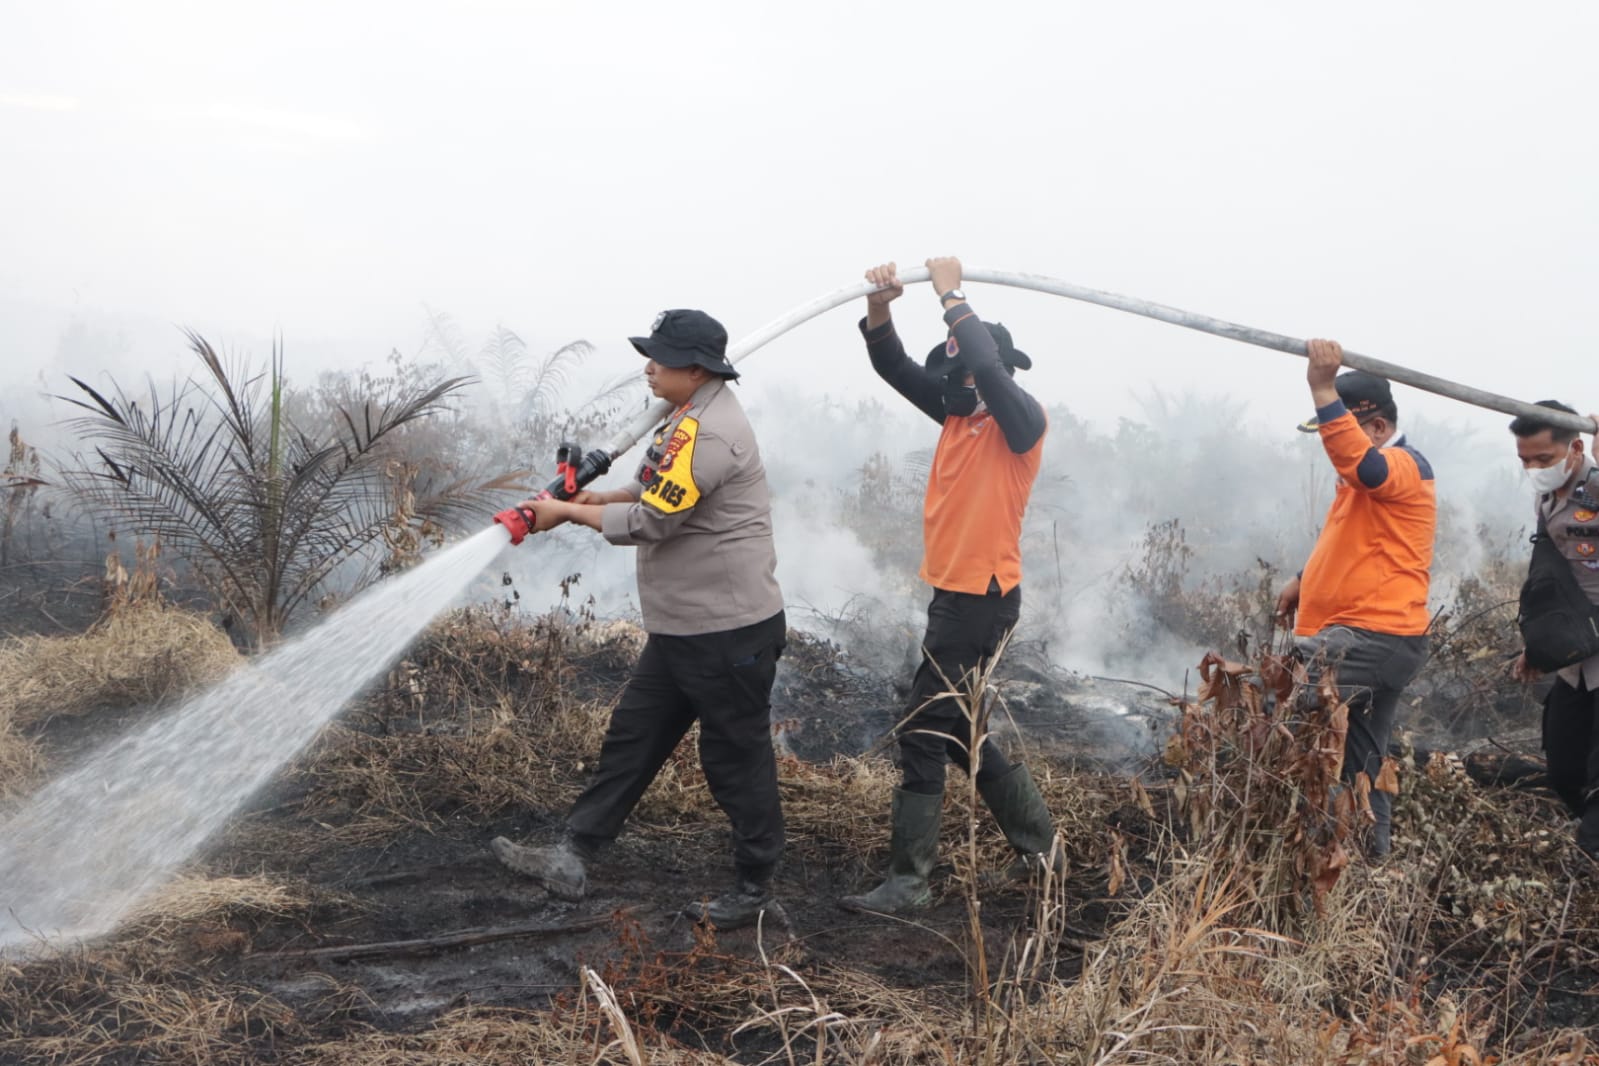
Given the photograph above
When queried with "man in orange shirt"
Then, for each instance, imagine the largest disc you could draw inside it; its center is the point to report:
(1360, 605)
(982, 473)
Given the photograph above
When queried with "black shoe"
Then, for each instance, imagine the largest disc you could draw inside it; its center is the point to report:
(743, 906)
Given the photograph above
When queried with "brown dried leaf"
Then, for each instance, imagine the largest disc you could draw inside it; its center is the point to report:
(1327, 872)
(1363, 794)
(1141, 797)
(1388, 776)
(1221, 680)
(1348, 800)
(1277, 674)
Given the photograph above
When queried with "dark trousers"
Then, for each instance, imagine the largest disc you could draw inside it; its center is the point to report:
(963, 632)
(1571, 744)
(1372, 669)
(725, 681)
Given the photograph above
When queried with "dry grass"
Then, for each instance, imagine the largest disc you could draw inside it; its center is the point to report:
(367, 789)
(204, 917)
(479, 1036)
(143, 653)
(140, 653)
(93, 1007)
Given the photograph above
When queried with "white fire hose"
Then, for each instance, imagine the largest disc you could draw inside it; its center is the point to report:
(657, 413)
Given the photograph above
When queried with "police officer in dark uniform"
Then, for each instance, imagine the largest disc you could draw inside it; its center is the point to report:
(1566, 480)
(699, 514)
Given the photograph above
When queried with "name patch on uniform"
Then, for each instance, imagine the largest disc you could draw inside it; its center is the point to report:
(1582, 531)
(1591, 564)
(673, 489)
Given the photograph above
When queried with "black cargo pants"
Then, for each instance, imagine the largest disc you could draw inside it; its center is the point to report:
(1372, 670)
(724, 680)
(963, 632)
(1571, 745)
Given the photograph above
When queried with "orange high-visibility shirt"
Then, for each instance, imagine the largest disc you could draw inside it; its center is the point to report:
(977, 493)
(1371, 563)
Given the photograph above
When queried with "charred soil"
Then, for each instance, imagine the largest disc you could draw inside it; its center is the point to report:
(354, 913)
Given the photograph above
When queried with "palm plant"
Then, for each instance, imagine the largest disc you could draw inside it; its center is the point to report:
(264, 512)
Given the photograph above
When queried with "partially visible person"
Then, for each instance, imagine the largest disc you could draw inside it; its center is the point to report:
(1359, 607)
(1565, 479)
(699, 513)
(987, 459)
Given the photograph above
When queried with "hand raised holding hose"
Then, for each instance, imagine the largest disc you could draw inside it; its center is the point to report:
(890, 288)
(945, 273)
(1325, 359)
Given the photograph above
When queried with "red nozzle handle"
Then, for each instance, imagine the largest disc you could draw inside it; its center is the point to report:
(518, 522)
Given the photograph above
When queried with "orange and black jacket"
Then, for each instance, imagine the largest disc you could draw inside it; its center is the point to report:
(985, 465)
(1371, 564)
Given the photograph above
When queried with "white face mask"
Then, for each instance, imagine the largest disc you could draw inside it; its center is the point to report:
(1548, 479)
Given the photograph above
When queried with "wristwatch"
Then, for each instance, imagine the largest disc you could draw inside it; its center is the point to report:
(953, 294)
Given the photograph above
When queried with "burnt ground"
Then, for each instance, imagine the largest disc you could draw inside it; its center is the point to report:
(426, 882)
(423, 884)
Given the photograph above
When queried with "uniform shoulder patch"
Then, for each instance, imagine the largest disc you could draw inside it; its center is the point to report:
(673, 489)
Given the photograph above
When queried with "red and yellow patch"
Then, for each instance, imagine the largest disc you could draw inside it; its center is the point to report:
(1585, 547)
(674, 490)
(1584, 516)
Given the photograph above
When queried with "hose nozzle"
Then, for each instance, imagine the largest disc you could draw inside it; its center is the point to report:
(518, 522)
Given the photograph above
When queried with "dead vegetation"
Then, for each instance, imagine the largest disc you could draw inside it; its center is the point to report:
(1217, 910)
(140, 654)
(142, 651)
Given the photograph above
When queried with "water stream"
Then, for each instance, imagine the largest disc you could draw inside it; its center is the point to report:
(76, 856)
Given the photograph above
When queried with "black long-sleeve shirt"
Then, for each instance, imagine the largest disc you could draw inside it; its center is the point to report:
(1019, 416)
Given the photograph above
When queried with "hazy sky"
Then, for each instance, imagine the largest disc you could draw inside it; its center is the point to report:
(1415, 179)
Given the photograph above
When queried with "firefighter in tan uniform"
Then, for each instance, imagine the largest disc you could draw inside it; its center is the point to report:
(698, 512)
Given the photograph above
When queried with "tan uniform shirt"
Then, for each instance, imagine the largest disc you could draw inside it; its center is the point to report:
(1573, 525)
(702, 521)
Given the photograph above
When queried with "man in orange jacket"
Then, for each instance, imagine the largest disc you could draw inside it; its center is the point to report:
(1360, 605)
(982, 473)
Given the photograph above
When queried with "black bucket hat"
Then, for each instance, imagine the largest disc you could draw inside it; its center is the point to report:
(680, 338)
(1365, 395)
(945, 357)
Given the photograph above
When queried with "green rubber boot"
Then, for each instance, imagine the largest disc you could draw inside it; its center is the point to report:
(912, 850)
(1023, 817)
